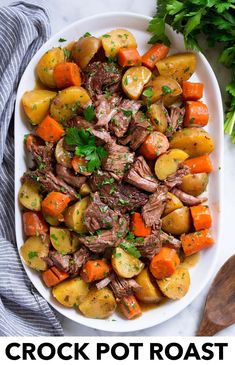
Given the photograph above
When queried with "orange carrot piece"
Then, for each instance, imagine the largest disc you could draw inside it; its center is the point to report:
(53, 276)
(67, 74)
(199, 164)
(164, 263)
(192, 91)
(156, 53)
(30, 139)
(138, 226)
(49, 130)
(95, 270)
(201, 217)
(79, 165)
(34, 224)
(196, 114)
(194, 242)
(130, 307)
(129, 57)
(55, 203)
(154, 145)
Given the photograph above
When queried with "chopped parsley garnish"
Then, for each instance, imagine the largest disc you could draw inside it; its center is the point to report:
(106, 36)
(89, 113)
(87, 34)
(32, 254)
(61, 40)
(86, 147)
(67, 53)
(148, 92)
(127, 112)
(130, 248)
(166, 90)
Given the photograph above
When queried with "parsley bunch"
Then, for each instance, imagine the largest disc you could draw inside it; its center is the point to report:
(86, 147)
(215, 20)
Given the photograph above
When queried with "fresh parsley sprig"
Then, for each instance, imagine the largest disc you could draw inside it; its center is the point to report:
(86, 147)
(215, 20)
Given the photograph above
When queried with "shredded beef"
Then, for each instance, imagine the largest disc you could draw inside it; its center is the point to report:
(79, 258)
(187, 199)
(169, 241)
(69, 177)
(100, 76)
(141, 176)
(138, 131)
(153, 209)
(177, 178)
(175, 120)
(49, 182)
(62, 262)
(118, 160)
(106, 109)
(43, 154)
(123, 287)
(98, 215)
(150, 246)
(121, 120)
(103, 283)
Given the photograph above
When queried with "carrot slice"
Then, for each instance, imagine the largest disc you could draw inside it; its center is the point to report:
(164, 263)
(196, 114)
(154, 145)
(156, 53)
(130, 307)
(192, 91)
(53, 276)
(34, 224)
(79, 165)
(95, 270)
(201, 217)
(67, 74)
(128, 57)
(199, 164)
(138, 226)
(55, 203)
(194, 242)
(49, 130)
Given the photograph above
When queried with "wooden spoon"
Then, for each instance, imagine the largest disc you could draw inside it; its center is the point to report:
(219, 311)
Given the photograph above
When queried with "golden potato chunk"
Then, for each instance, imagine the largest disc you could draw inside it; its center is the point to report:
(126, 265)
(172, 203)
(84, 190)
(134, 80)
(63, 157)
(98, 303)
(162, 88)
(62, 241)
(74, 215)
(194, 141)
(36, 104)
(46, 65)
(177, 285)
(71, 292)
(34, 250)
(158, 117)
(179, 66)
(29, 196)
(84, 50)
(149, 292)
(177, 222)
(116, 39)
(194, 184)
(167, 164)
(67, 102)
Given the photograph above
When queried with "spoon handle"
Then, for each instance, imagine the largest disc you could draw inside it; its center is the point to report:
(207, 327)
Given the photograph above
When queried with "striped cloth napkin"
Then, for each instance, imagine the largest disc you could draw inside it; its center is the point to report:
(24, 27)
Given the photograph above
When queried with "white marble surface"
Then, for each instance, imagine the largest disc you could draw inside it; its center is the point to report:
(64, 12)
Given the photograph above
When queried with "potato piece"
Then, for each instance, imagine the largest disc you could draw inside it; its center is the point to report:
(126, 265)
(177, 285)
(194, 184)
(62, 241)
(149, 292)
(74, 215)
(36, 104)
(46, 65)
(34, 250)
(117, 39)
(172, 204)
(179, 66)
(84, 50)
(163, 88)
(63, 157)
(71, 292)
(177, 222)
(53, 221)
(168, 162)
(134, 80)
(158, 116)
(194, 141)
(67, 102)
(98, 303)
(29, 196)
(85, 190)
